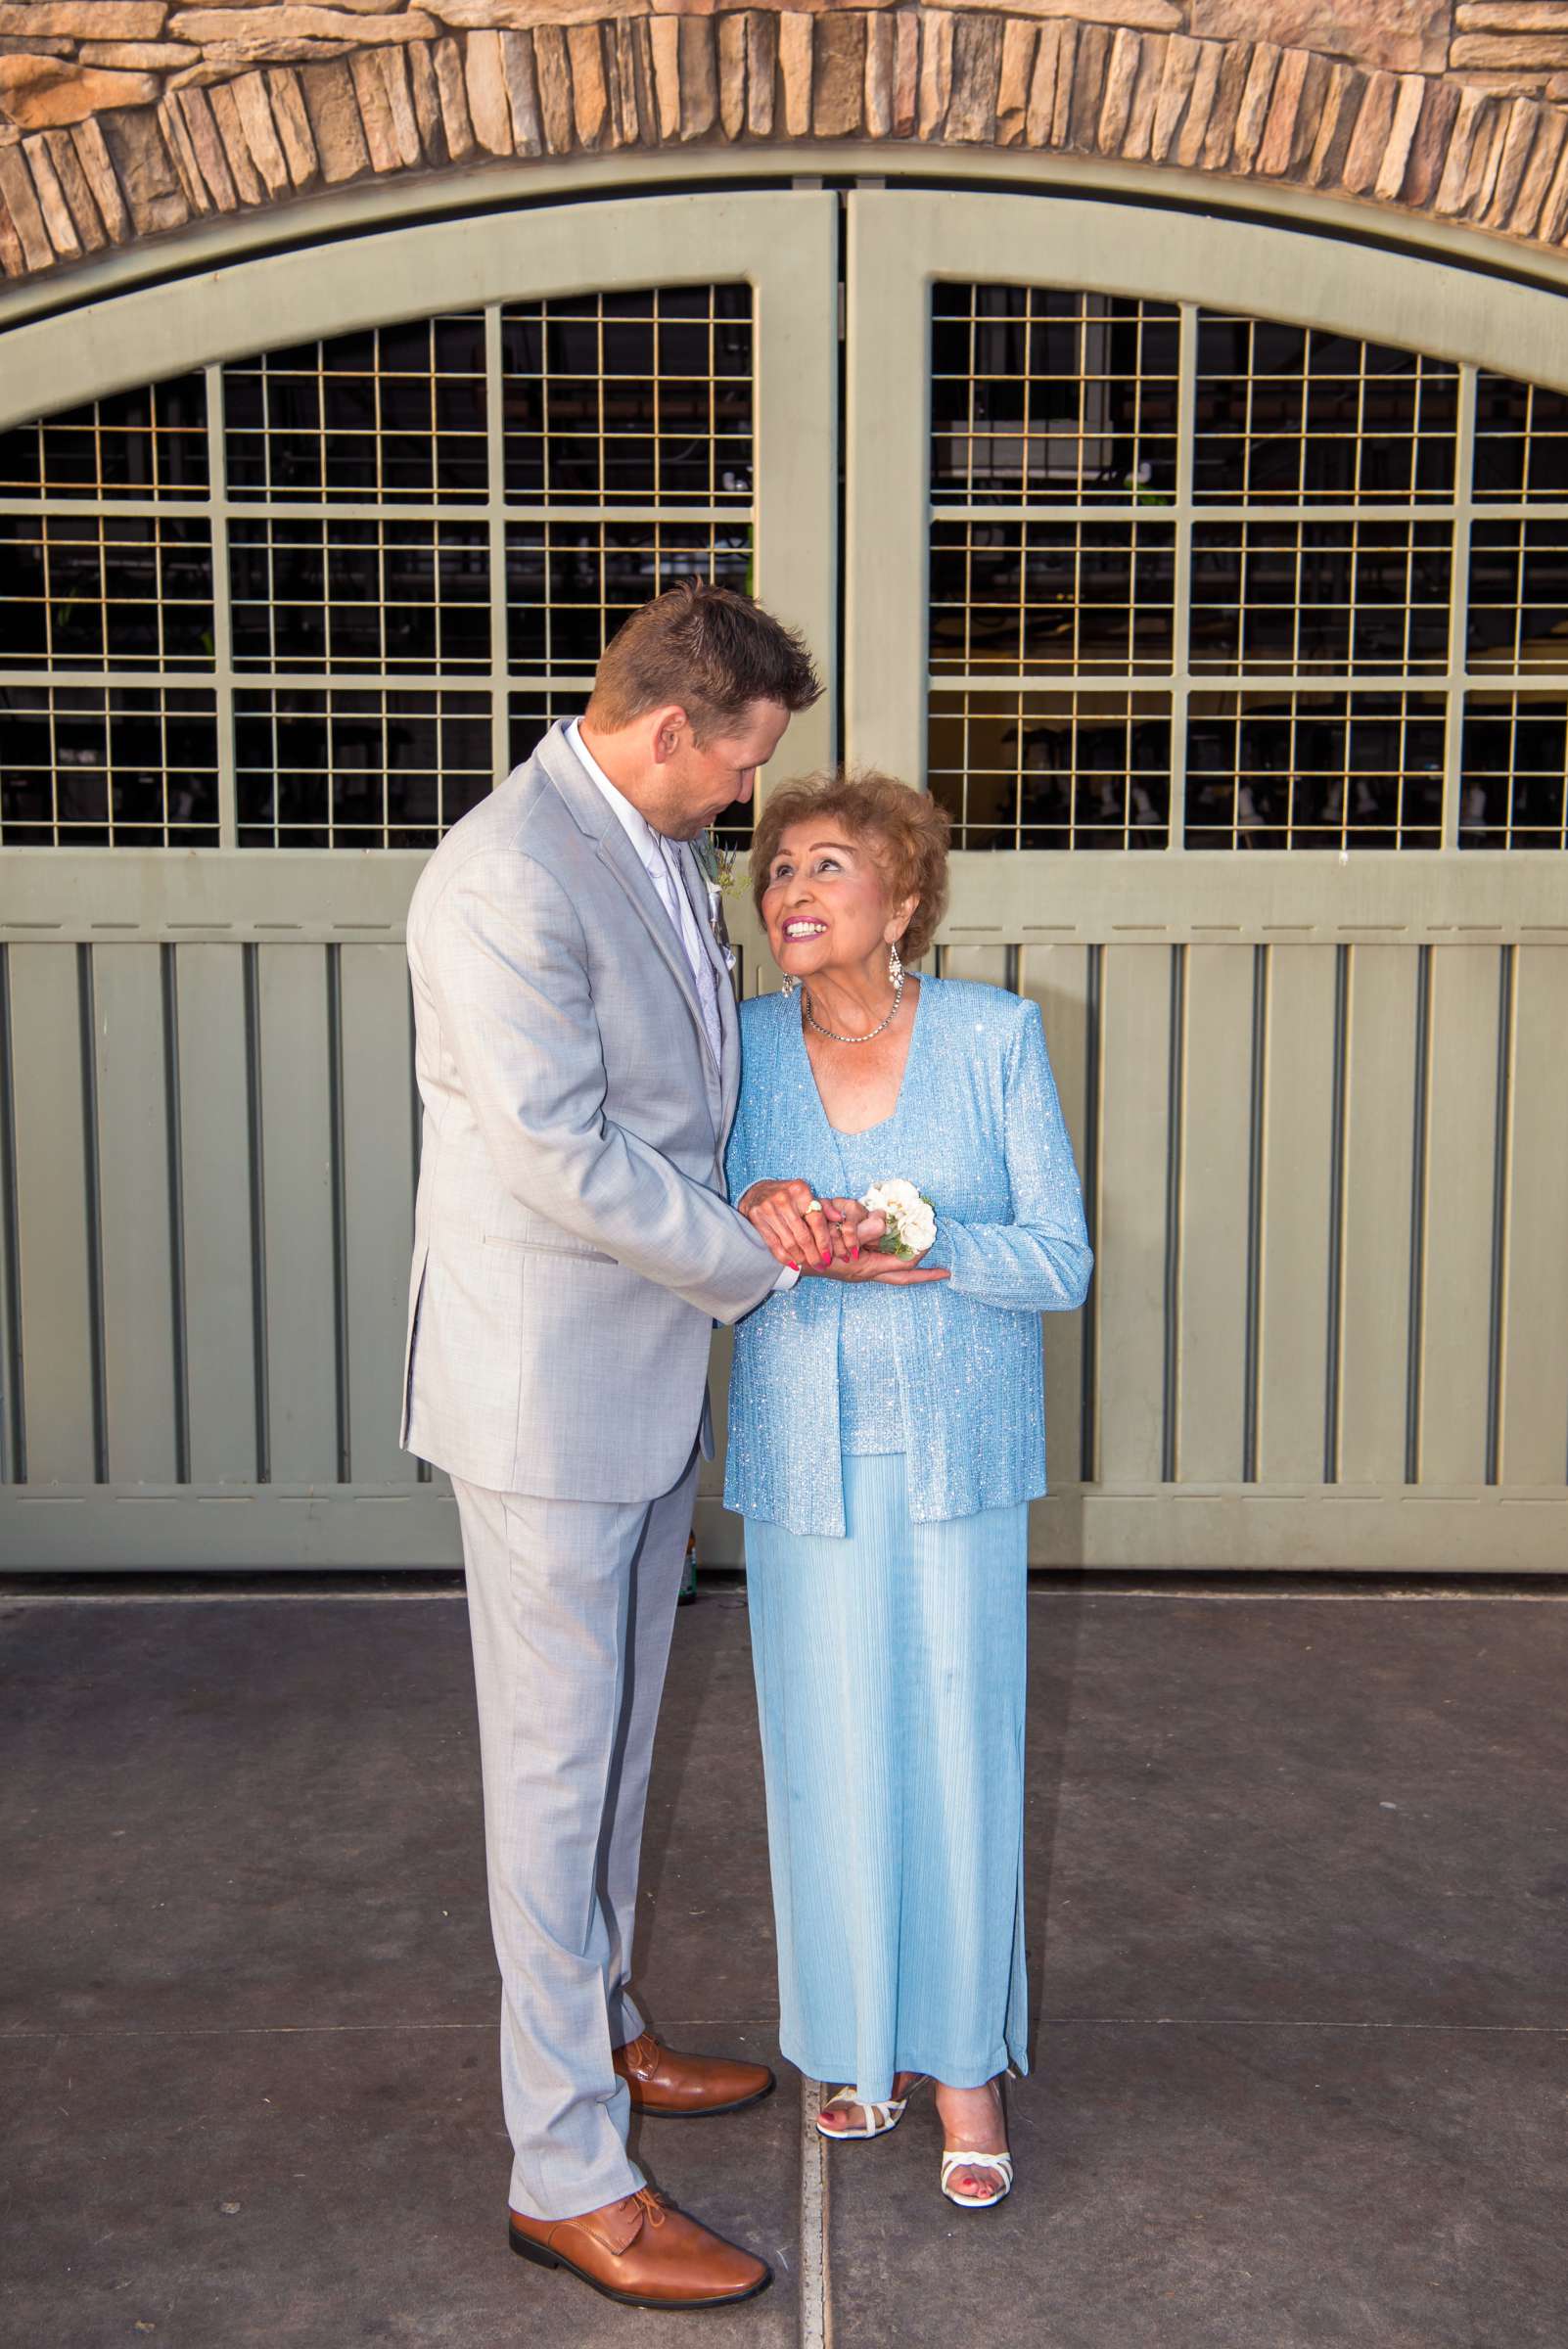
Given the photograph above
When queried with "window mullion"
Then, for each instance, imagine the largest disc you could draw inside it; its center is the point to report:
(222, 617)
(1181, 581)
(496, 514)
(1459, 610)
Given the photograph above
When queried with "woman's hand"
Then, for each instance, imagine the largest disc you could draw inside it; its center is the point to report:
(807, 1233)
(897, 1271)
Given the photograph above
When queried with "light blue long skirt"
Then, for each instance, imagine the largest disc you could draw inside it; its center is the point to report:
(891, 1684)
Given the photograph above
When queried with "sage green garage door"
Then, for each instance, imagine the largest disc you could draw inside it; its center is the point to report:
(1213, 575)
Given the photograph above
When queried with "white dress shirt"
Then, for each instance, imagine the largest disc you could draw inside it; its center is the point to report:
(658, 857)
(659, 860)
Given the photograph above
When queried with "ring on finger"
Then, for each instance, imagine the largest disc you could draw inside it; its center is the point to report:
(813, 1206)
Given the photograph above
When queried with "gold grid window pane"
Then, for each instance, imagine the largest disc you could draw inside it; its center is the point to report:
(639, 398)
(531, 713)
(108, 766)
(417, 624)
(395, 414)
(1518, 611)
(372, 596)
(1045, 769)
(1315, 770)
(110, 590)
(367, 768)
(1325, 596)
(1293, 414)
(1091, 596)
(151, 443)
(1513, 791)
(571, 584)
(1521, 439)
(1251, 582)
(1040, 394)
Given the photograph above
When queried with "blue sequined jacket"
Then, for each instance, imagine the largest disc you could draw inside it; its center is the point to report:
(978, 1128)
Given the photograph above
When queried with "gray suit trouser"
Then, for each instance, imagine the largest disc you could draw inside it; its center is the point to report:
(571, 1604)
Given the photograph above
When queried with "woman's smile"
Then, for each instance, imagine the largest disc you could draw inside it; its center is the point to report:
(811, 863)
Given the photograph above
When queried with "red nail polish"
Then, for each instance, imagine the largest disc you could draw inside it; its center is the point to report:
(795, 1268)
(827, 1256)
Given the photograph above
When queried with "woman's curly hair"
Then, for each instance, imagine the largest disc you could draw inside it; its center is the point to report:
(907, 829)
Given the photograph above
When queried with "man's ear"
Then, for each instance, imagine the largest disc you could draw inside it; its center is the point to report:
(665, 728)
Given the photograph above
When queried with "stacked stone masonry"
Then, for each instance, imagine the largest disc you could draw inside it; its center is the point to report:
(123, 119)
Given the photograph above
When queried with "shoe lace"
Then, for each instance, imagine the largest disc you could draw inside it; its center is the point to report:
(653, 2203)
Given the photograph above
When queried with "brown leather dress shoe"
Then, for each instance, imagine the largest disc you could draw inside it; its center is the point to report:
(644, 2253)
(673, 2086)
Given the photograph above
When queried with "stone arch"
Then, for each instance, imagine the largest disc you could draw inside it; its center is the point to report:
(219, 112)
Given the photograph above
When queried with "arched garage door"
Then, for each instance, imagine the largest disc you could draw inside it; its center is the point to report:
(1212, 574)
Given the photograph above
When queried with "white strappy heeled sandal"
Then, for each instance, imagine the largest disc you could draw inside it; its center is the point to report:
(1000, 2163)
(880, 2117)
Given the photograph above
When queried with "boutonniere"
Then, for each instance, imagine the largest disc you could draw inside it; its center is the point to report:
(717, 863)
(719, 877)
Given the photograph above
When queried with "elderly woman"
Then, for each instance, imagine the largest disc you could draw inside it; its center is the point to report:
(886, 1433)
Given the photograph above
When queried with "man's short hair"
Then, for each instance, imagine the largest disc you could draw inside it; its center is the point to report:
(713, 650)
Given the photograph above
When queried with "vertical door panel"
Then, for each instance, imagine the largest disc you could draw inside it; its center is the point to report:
(1297, 1210)
(139, 1402)
(297, 1143)
(379, 1202)
(986, 965)
(1379, 1132)
(1461, 1188)
(58, 1341)
(1056, 978)
(1216, 1136)
(216, 1195)
(1131, 1269)
(1535, 1342)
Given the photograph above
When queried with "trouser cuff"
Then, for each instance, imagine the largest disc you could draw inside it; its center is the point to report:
(571, 2197)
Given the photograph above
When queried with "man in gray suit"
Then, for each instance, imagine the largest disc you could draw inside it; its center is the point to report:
(577, 1053)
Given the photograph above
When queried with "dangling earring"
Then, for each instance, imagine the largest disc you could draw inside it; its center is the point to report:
(895, 964)
(788, 988)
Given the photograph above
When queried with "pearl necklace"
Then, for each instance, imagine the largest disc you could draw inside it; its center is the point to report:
(835, 1039)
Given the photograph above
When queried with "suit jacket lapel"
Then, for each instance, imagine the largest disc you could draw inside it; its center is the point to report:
(696, 888)
(594, 816)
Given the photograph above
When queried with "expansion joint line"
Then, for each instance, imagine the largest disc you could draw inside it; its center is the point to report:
(817, 2281)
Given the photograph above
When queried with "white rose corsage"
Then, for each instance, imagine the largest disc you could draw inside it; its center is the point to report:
(911, 1217)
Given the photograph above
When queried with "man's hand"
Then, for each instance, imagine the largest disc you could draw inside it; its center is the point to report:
(807, 1233)
(834, 1240)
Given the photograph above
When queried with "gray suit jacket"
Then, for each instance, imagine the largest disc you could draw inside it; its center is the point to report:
(572, 1243)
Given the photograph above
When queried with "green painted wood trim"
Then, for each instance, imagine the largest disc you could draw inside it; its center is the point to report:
(1176, 1529)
